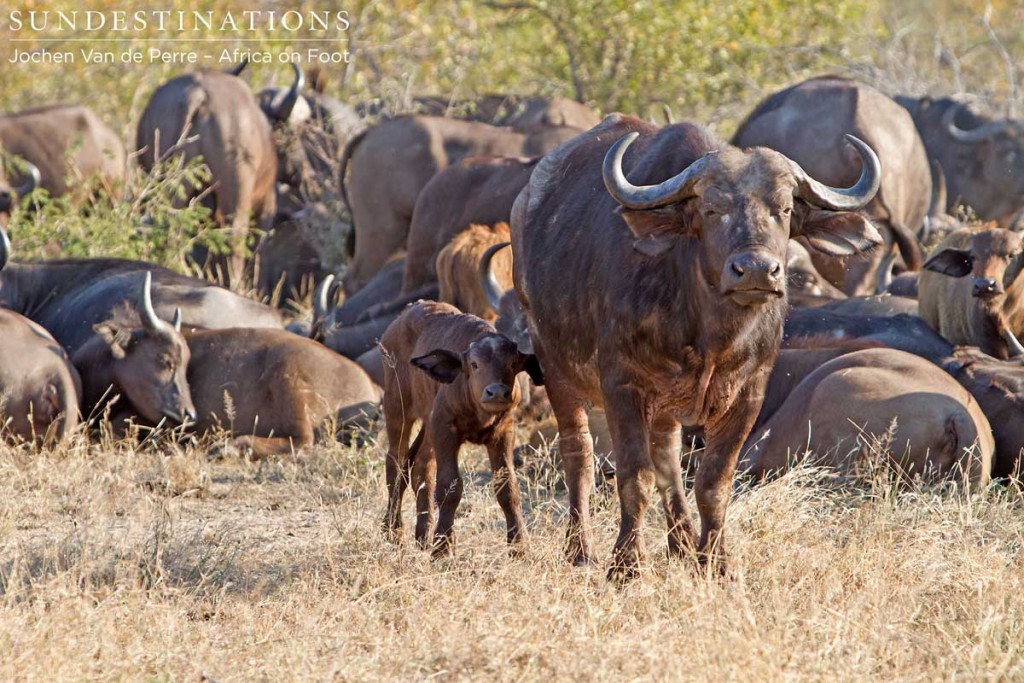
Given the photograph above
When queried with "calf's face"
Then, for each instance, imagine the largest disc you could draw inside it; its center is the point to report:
(150, 367)
(994, 261)
(489, 367)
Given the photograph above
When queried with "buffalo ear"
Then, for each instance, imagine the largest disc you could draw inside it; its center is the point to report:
(533, 369)
(838, 233)
(951, 262)
(656, 230)
(113, 337)
(441, 364)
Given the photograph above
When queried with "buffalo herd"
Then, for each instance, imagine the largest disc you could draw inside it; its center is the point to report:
(840, 283)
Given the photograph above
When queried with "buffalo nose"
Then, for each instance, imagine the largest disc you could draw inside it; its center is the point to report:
(754, 269)
(985, 286)
(6, 199)
(497, 393)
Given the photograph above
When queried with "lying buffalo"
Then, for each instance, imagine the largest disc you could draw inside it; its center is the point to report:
(214, 115)
(879, 404)
(68, 297)
(662, 298)
(807, 122)
(275, 391)
(997, 386)
(393, 161)
(135, 356)
(39, 388)
(475, 190)
(68, 144)
(981, 156)
(970, 291)
(456, 375)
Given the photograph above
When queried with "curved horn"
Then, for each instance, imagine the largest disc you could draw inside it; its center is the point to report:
(939, 193)
(284, 110)
(1012, 343)
(237, 70)
(149, 318)
(176, 321)
(642, 197)
(5, 248)
(974, 135)
(885, 270)
(842, 199)
(33, 181)
(669, 116)
(321, 299)
(489, 283)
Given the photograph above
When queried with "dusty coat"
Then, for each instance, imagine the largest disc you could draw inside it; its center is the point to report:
(458, 269)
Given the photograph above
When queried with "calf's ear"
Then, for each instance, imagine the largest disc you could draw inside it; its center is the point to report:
(838, 233)
(532, 367)
(951, 262)
(441, 364)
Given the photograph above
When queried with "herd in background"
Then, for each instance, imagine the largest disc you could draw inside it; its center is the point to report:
(809, 287)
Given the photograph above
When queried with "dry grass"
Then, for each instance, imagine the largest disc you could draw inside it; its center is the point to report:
(117, 564)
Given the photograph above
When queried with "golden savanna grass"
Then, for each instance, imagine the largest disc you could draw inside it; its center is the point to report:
(119, 563)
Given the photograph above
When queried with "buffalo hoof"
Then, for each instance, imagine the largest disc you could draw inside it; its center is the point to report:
(442, 548)
(626, 562)
(714, 565)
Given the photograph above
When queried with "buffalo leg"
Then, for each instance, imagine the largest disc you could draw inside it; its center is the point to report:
(424, 482)
(397, 473)
(715, 473)
(506, 489)
(634, 474)
(576, 448)
(449, 482)
(666, 444)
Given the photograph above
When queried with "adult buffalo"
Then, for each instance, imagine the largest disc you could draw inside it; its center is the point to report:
(971, 291)
(39, 387)
(275, 391)
(68, 297)
(68, 144)
(871, 404)
(393, 161)
(981, 156)
(997, 385)
(474, 190)
(664, 302)
(807, 122)
(214, 115)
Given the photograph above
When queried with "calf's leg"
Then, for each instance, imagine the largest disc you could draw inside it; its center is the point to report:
(506, 488)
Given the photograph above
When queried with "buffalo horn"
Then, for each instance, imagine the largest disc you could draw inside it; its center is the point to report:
(973, 136)
(842, 199)
(489, 283)
(640, 197)
(33, 179)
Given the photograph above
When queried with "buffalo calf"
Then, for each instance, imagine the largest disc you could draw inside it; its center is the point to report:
(457, 375)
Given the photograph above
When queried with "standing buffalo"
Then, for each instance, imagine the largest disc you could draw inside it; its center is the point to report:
(981, 156)
(807, 122)
(68, 144)
(392, 162)
(665, 303)
(214, 115)
(39, 388)
(971, 291)
(457, 376)
(477, 190)
(845, 409)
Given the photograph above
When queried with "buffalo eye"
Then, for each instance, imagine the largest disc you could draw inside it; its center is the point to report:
(474, 365)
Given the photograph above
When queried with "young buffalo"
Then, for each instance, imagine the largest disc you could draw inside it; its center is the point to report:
(466, 391)
(971, 292)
